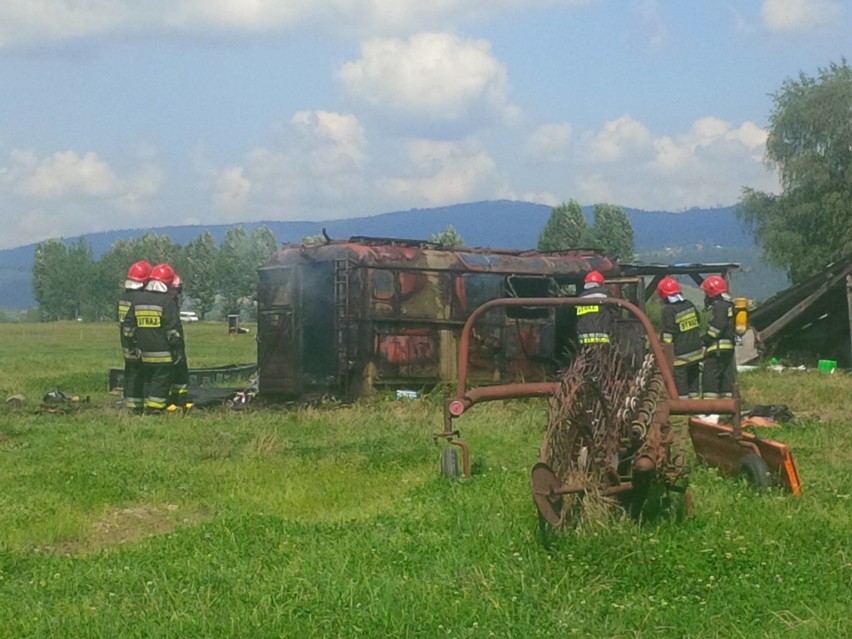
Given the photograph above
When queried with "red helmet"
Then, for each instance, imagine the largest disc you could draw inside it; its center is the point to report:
(714, 285)
(139, 272)
(593, 277)
(177, 283)
(163, 273)
(667, 287)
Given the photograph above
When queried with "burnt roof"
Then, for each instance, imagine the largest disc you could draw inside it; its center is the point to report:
(424, 255)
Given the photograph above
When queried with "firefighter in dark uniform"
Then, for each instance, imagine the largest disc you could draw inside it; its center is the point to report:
(720, 368)
(594, 321)
(681, 328)
(179, 388)
(137, 277)
(153, 326)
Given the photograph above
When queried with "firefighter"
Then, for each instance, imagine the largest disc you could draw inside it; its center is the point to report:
(681, 328)
(594, 321)
(137, 278)
(719, 363)
(154, 325)
(179, 388)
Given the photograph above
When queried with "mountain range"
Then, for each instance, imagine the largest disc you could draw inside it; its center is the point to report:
(696, 235)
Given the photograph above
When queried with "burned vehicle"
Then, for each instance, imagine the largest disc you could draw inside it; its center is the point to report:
(345, 317)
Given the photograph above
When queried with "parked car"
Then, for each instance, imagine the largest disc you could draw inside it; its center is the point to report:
(188, 316)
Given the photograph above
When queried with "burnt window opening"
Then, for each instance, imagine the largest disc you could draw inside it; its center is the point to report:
(383, 285)
(520, 286)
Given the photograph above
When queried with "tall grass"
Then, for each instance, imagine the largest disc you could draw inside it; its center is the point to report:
(334, 522)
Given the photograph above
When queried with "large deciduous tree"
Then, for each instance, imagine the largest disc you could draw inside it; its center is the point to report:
(239, 257)
(612, 232)
(565, 228)
(201, 284)
(51, 260)
(64, 280)
(810, 144)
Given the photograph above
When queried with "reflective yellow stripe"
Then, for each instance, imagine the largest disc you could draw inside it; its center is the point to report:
(588, 308)
(159, 357)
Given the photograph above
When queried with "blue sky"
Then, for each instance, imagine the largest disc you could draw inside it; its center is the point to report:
(125, 114)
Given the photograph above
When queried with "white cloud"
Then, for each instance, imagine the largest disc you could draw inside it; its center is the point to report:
(437, 76)
(707, 166)
(67, 193)
(29, 22)
(318, 168)
(441, 173)
(798, 15)
(550, 141)
(66, 173)
(231, 189)
(624, 137)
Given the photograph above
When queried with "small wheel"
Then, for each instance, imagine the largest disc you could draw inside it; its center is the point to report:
(754, 470)
(544, 484)
(449, 462)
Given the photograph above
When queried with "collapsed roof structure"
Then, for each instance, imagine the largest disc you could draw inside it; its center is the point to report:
(809, 321)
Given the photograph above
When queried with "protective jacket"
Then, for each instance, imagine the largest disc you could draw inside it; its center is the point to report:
(125, 302)
(720, 328)
(594, 320)
(152, 325)
(681, 328)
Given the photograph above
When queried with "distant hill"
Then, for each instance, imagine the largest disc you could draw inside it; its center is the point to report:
(498, 224)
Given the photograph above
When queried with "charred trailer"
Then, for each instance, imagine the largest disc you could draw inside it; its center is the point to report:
(346, 317)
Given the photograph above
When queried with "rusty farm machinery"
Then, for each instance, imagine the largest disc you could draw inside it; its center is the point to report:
(609, 433)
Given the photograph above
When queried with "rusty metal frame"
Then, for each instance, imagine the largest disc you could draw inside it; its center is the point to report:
(465, 398)
(716, 445)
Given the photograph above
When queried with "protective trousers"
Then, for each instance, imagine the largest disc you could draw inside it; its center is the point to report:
(178, 390)
(720, 371)
(133, 385)
(687, 377)
(157, 378)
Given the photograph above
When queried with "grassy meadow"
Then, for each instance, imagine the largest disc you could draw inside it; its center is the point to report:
(333, 520)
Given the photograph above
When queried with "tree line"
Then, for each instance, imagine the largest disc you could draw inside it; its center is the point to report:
(69, 282)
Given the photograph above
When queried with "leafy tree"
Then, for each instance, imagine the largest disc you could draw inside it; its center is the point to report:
(80, 280)
(262, 246)
(201, 256)
(63, 280)
(564, 229)
(810, 144)
(110, 273)
(449, 237)
(239, 258)
(228, 268)
(612, 232)
(158, 249)
(49, 279)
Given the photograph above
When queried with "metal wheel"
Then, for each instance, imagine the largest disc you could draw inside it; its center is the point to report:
(754, 470)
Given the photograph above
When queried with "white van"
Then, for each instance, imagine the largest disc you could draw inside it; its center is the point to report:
(188, 316)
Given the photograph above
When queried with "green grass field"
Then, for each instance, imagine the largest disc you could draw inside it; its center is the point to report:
(334, 521)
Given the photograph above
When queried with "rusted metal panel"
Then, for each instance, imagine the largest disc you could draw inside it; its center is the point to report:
(344, 316)
(722, 447)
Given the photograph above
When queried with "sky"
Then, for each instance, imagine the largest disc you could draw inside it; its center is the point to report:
(118, 114)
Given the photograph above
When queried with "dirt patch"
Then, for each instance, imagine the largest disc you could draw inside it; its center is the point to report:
(130, 525)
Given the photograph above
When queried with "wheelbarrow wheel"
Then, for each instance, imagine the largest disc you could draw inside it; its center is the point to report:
(754, 470)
